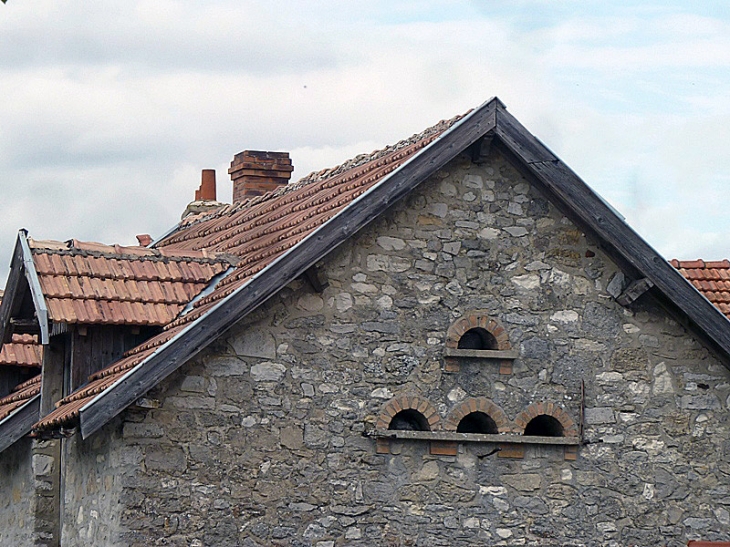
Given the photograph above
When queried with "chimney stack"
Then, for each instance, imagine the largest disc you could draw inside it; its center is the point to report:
(254, 173)
(206, 192)
(144, 239)
(205, 196)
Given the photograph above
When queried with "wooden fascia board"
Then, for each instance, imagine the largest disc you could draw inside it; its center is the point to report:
(34, 283)
(19, 423)
(12, 297)
(587, 206)
(288, 267)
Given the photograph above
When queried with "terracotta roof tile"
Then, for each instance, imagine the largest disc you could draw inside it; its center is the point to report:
(86, 282)
(256, 231)
(711, 278)
(19, 396)
(22, 351)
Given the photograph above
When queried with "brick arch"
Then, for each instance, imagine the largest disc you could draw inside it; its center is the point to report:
(409, 402)
(478, 404)
(570, 429)
(477, 319)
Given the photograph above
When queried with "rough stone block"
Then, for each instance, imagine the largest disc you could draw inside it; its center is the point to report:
(599, 415)
(142, 430)
(268, 372)
(42, 465)
(527, 482)
(292, 437)
(165, 458)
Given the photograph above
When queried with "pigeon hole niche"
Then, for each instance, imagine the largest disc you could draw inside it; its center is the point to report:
(475, 335)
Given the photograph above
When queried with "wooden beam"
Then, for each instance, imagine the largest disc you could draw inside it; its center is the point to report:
(358, 214)
(481, 149)
(634, 291)
(19, 423)
(316, 279)
(53, 374)
(24, 326)
(94, 347)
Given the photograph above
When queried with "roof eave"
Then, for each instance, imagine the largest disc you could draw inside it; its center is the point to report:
(19, 423)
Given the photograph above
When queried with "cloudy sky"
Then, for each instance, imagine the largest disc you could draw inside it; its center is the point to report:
(109, 110)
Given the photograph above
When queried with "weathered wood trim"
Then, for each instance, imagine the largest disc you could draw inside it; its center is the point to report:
(481, 353)
(358, 214)
(19, 423)
(590, 209)
(481, 149)
(53, 373)
(25, 325)
(35, 286)
(473, 437)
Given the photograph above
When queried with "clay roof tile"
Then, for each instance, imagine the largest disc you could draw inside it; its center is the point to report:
(711, 278)
(257, 230)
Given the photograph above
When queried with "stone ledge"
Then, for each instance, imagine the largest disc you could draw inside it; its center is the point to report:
(473, 437)
(481, 353)
(503, 357)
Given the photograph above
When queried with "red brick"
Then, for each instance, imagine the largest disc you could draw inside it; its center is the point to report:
(382, 446)
(516, 451)
(443, 448)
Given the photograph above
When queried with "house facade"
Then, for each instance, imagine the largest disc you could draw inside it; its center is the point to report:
(452, 342)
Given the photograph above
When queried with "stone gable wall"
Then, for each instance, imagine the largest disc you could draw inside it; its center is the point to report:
(263, 439)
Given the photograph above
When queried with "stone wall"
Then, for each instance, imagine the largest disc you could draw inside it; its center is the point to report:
(262, 440)
(46, 501)
(98, 487)
(16, 493)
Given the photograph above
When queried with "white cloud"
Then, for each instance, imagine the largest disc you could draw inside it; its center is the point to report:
(110, 110)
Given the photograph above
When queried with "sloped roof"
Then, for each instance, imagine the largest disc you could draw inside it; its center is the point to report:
(278, 236)
(257, 231)
(92, 283)
(23, 351)
(711, 278)
(19, 411)
(20, 395)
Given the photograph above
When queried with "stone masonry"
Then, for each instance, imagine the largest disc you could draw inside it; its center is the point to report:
(264, 438)
(17, 493)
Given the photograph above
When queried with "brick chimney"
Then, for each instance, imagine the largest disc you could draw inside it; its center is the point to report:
(206, 192)
(205, 196)
(255, 172)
